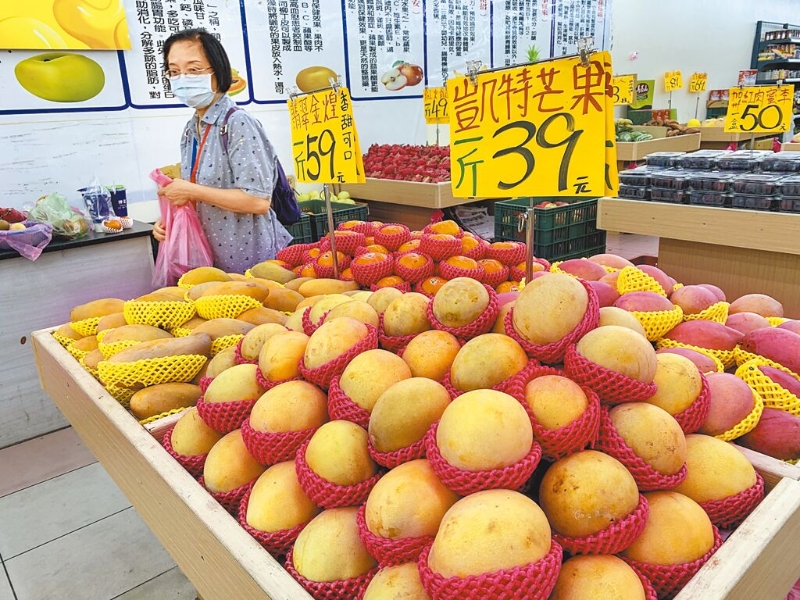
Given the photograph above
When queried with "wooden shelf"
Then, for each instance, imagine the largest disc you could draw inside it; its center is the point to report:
(407, 193)
(718, 134)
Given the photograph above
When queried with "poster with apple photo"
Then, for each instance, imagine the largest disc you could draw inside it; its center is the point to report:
(151, 22)
(60, 80)
(385, 45)
(294, 43)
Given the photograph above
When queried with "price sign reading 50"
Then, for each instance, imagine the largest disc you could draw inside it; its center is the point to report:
(436, 111)
(759, 109)
(325, 143)
(537, 130)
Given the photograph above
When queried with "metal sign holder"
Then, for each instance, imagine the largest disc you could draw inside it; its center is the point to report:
(335, 86)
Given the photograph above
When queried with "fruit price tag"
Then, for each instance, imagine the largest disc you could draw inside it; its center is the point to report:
(673, 80)
(698, 82)
(624, 87)
(537, 130)
(435, 100)
(759, 109)
(324, 138)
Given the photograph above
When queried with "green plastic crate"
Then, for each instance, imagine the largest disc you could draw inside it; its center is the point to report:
(341, 212)
(301, 231)
(562, 232)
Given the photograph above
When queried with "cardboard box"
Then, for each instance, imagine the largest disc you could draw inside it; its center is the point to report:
(635, 151)
(656, 131)
(408, 193)
(760, 559)
(791, 147)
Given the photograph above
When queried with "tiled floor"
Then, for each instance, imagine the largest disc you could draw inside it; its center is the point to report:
(66, 531)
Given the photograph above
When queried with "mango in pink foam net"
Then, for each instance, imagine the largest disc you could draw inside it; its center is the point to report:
(224, 342)
(632, 279)
(167, 314)
(747, 424)
(716, 312)
(773, 394)
(151, 371)
(224, 306)
(658, 322)
(726, 357)
(86, 327)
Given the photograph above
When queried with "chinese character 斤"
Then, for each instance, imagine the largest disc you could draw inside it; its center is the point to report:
(463, 163)
(592, 84)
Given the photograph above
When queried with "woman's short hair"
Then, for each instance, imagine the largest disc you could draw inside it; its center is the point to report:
(214, 51)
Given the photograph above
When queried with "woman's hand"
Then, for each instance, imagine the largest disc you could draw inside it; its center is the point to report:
(159, 232)
(179, 192)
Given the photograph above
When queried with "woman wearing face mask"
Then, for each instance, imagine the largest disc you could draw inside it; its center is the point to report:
(230, 189)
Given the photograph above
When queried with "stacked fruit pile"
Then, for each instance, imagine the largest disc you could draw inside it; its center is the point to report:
(402, 162)
(377, 255)
(384, 440)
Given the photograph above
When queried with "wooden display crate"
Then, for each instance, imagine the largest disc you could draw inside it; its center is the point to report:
(760, 560)
(408, 193)
(791, 147)
(635, 151)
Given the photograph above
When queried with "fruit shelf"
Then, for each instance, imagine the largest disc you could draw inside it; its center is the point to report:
(222, 561)
(408, 193)
(342, 211)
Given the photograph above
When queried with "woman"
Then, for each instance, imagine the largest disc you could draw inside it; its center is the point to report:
(231, 187)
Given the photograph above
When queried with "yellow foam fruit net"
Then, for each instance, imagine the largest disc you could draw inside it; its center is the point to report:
(677, 286)
(86, 327)
(65, 341)
(152, 371)
(726, 357)
(632, 279)
(775, 321)
(249, 274)
(224, 306)
(610, 269)
(226, 341)
(716, 312)
(182, 284)
(102, 334)
(742, 356)
(121, 394)
(109, 350)
(77, 353)
(167, 315)
(658, 322)
(181, 332)
(163, 415)
(773, 394)
(720, 368)
(747, 424)
(93, 372)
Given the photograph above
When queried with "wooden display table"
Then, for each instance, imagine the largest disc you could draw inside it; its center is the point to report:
(741, 251)
(791, 147)
(39, 293)
(715, 138)
(223, 562)
(628, 152)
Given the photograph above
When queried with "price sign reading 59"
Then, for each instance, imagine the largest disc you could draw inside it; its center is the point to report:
(759, 109)
(325, 143)
(537, 130)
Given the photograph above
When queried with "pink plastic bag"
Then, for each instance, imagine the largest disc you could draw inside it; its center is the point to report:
(28, 242)
(186, 246)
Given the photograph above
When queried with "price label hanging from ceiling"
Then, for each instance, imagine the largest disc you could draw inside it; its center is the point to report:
(759, 109)
(624, 89)
(698, 82)
(435, 102)
(325, 144)
(538, 130)
(673, 80)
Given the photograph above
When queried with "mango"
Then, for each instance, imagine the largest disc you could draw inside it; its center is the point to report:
(611, 315)
(93, 358)
(664, 280)
(194, 344)
(277, 501)
(283, 300)
(718, 293)
(777, 434)
(621, 350)
(459, 302)
(314, 78)
(262, 315)
(408, 315)
(582, 268)
(67, 331)
(337, 452)
(236, 288)
(157, 399)
(355, 309)
(790, 383)
(198, 290)
(643, 302)
(611, 260)
(607, 294)
(779, 345)
(398, 582)
(732, 401)
(86, 344)
(273, 272)
(193, 322)
(745, 322)
(715, 470)
(705, 334)
(332, 339)
(159, 297)
(96, 308)
(382, 298)
(280, 356)
(790, 325)
(111, 321)
(229, 465)
(218, 328)
(653, 435)
(135, 333)
(549, 308)
(693, 299)
(235, 384)
(761, 304)
(204, 275)
(290, 406)
(703, 362)
(295, 284)
(222, 361)
(254, 339)
(191, 436)
(319, 287)
(487, 360)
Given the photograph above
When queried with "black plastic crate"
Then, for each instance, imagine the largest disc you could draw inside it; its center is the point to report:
(301, 231)
(561, 232)
(315, 209)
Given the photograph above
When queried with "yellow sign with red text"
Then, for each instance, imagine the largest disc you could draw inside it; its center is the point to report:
(536, 130)
(673, 80)
(759, 109)
(698, 83)
(435, 102)
(325, 146)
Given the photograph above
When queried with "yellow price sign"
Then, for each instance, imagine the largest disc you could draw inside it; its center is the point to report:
(624, 89)
(435, 102)
(325, 142)
(698, 82)
(759, 109)
(537, 130)
(673, 80)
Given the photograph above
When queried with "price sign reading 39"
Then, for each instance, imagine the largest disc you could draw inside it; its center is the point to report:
(532, 131)
(759, 109)
(436, 112)
(325, 143)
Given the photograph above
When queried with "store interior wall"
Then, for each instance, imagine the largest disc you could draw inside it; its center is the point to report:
(61, 153)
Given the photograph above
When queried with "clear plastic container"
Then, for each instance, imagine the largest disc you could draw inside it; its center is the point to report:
(639, 176)
(753, 202)
(783, 162)
(708, 198)
(790, 186)
(702, 159)
(713, 181)
(663, 159)
(634, 192)
(666, 195)
(743, 160)
(760, 184)
(789, 204)
(671, 180)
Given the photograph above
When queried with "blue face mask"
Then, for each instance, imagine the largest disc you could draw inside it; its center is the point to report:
(193, 90)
